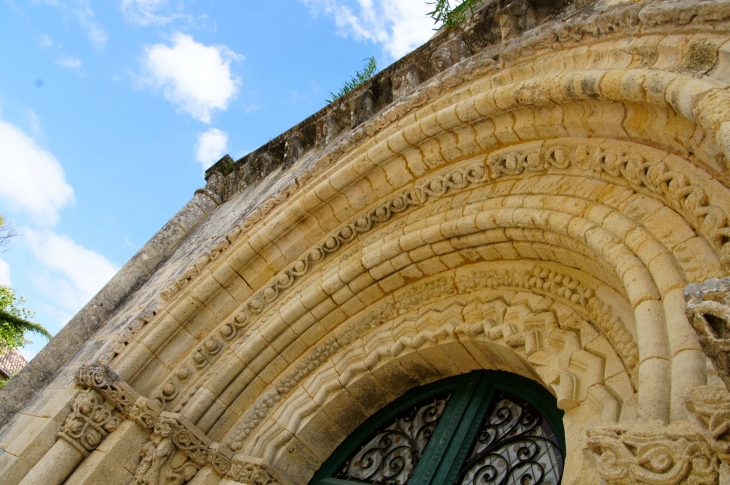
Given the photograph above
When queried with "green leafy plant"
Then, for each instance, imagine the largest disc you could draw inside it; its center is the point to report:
(447, 17)
(15, 321)
(357, 80)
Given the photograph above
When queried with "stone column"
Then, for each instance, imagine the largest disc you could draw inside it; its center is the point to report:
(90, 422)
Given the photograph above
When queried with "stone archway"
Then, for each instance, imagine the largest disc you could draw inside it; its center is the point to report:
(537, 208)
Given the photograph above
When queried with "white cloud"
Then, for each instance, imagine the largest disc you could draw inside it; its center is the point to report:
(4, 273)
(399, 25)
(211, 146)
(69, 62)
(76, 273)
(195, 78)
(147, 12)
(97, 35)
(82, 10)
(32, 179)
(34, 124)
(44, 41)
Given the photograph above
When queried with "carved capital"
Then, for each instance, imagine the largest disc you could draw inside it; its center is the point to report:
(659, 455)
(710, 405)
(708, 310)
(176, 451)
(107, 383)
(251, 471)
(145, 413)
(91, 420)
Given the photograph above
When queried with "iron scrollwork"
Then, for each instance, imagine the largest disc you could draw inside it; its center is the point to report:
(390, 456)
(514, 446)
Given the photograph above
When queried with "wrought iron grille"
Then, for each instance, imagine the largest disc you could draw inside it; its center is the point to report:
(513, 446)
(391, 455)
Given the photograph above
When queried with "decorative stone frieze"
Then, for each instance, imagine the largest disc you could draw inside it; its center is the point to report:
(250, 471)
(655, 454)
(91, 420)
(708, 310)
(638, 171)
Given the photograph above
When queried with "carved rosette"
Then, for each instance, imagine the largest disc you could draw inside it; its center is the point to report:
(661, 455)
(90, 421)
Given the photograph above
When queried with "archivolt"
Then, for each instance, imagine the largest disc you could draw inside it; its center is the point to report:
(529, 194)
(530, 214)
(472, 326)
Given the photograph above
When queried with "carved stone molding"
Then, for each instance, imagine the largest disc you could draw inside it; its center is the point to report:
(708, 310)
(250, 471)
(431, 189)
(641, 173)
(653, 454)
(90, 422)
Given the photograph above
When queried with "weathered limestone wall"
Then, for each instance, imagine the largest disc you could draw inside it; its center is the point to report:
(531, 193)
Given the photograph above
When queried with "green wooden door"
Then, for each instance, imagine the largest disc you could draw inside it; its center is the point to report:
(486, 427)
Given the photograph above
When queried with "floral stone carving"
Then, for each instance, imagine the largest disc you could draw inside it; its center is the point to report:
(660, 455)
(90, 421)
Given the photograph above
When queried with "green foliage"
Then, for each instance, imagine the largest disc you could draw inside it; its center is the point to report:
(15, 321)
(357, 80)
(446, 17)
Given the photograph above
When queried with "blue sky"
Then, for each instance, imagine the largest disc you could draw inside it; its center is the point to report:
(111, 110)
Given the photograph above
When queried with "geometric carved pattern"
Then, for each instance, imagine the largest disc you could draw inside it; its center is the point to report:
(434, 188)
(562, 286)
(641, 173)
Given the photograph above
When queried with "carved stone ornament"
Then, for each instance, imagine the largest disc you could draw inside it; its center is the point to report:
(176, 451)
(708, 310)
(515, 18)
(248, 472)
(107, 383)
(659, 455)
(90, 421)
(710, 405)
(162, 462)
